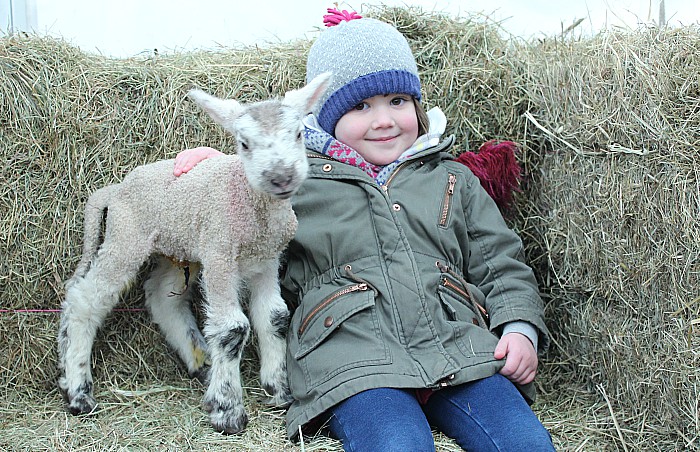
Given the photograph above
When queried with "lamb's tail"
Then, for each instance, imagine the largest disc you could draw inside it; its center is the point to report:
(92, 226)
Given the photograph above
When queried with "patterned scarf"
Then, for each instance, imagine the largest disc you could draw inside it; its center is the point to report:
(322, 142)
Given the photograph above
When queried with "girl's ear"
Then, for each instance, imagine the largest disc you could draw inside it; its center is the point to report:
(305, 98)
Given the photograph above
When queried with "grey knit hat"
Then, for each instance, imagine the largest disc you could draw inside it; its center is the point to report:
(367, 58)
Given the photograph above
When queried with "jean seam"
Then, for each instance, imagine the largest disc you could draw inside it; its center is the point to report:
(459, 407)
(346, 447)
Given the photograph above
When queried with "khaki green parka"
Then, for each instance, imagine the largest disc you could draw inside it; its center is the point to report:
(375, 274)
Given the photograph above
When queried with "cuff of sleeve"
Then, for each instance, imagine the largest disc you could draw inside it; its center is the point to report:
(523, 328)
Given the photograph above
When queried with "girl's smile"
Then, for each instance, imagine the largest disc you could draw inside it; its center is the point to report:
(380, 128)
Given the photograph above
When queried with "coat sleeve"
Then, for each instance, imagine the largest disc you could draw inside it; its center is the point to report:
(495, 264)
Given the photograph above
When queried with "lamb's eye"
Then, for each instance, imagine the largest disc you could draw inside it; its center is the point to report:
(299, 136)
(244, 145)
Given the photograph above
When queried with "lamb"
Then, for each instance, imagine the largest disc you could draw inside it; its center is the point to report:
(232, 216)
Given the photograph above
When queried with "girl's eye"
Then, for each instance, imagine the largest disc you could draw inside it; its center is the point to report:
(361, 106)
(396, 101)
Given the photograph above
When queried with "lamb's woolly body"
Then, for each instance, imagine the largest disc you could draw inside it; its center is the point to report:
(210, 216)
(232, 215)
(235, 219)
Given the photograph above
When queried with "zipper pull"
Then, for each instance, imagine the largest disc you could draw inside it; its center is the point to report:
(452, 181)
(442, 267)
(362, 284)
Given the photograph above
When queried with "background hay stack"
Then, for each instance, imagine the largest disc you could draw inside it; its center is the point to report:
(619, 193)
(610, 127)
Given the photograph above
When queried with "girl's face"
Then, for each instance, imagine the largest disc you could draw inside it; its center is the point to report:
(380, 128)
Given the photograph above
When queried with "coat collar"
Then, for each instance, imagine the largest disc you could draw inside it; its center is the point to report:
(322, 144)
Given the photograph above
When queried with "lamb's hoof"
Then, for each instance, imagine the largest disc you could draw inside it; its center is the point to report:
(230, 421)
(279, 400)
(278, 397)
(82, 404)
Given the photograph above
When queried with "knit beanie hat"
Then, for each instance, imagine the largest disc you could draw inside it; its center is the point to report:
(367, 58)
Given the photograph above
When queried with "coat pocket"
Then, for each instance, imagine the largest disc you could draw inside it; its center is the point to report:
(463, 316)
(468, 296)
(340, 331)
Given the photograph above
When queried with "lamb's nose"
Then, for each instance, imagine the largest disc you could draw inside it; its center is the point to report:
(282, 181)
(281, 178)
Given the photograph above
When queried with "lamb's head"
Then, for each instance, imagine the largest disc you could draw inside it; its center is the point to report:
(269, 135)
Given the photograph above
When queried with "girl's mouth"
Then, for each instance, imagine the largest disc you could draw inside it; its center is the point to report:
(382, 139)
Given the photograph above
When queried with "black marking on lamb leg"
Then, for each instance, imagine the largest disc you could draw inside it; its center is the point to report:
(85, 388)
(201, 375)
(280, 323)
(233, 341)
(186, 270)
(82, 402)
(278, 392)
(273, 389)
(63, 342)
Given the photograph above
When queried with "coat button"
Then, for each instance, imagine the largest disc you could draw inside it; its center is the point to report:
(328, 322)
(327, 168)
(396, 207)
(475, 321)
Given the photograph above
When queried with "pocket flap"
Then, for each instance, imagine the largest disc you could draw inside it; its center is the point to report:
(329, 315)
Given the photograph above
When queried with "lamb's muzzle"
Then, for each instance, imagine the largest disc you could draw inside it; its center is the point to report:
(230, 215)
(285, 181)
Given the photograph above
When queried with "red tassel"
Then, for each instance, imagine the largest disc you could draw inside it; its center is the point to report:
(497, 168)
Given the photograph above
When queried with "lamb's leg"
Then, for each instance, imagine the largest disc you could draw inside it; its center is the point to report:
(226, 330)
(88, 301)
(270, 318)
(169, 301)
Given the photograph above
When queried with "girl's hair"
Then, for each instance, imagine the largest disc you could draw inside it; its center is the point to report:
(423, 121)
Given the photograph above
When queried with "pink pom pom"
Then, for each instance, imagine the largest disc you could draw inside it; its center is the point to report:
(334, 17)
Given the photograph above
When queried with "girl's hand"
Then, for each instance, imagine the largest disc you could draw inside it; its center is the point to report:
(521, 358)
(187, 159)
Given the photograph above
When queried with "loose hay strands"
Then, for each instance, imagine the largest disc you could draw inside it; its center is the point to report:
(610, 132)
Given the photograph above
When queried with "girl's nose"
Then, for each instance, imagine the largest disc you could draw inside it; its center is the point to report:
(382, 119)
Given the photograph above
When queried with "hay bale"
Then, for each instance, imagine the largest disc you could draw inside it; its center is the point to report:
(609, 129)
(617, 199)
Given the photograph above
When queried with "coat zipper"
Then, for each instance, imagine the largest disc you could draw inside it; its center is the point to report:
(452, 180)
(440, 147)
(354, 288)
(464, 290)
(319, 156)
(450, 285)
(394, 173)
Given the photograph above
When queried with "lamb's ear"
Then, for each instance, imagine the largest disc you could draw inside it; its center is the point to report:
(304, 99)
(222, 111)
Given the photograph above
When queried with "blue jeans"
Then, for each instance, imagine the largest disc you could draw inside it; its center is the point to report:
(485, 415)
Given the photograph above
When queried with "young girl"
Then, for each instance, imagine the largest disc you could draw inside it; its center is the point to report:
(412, 305)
